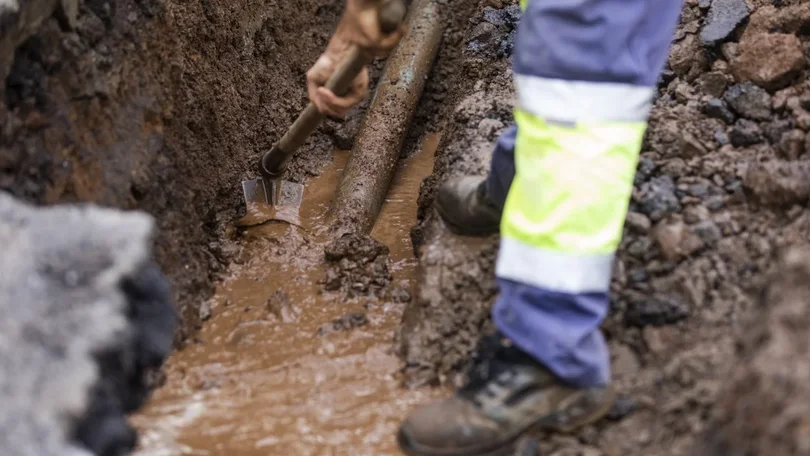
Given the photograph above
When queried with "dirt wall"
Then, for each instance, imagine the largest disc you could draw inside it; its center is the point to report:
(158, 105)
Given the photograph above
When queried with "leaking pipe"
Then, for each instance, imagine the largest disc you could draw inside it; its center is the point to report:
(373, 161)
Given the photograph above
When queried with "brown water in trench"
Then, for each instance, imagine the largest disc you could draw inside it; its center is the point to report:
(261, 382)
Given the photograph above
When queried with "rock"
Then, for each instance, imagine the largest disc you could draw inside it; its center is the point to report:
(638, 222)
(696, 214)
(657, 311)
(205, 311)
(640, 248)
(745, 133)
(791, 146)
(749, 101)
(774, 130)
(683, 54)
(721, 137)
(345, 323)
(690, 147)
(623, 407)
(708, 232)
(764, 405)
(778, 183)
(769, 60)
(658, 198)
(713, 83)
(717, 109)
(724, 17)
(675, 239)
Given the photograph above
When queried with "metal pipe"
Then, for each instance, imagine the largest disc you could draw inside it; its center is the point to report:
(368, 174)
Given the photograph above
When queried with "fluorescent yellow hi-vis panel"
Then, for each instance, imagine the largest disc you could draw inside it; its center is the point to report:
(566, 207)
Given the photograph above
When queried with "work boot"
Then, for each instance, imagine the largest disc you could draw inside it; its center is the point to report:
(508, 394)
(463, 203)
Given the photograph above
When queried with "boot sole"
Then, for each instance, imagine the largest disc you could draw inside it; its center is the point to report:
(508, 446)
(467, 230)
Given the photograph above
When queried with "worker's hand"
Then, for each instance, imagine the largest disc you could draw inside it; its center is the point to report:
(360, 26)
(324, 99)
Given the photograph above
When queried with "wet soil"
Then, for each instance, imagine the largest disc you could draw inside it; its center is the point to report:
(286, 363)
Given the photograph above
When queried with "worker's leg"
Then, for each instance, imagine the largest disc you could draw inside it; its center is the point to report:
(585, 77)
(472, 205)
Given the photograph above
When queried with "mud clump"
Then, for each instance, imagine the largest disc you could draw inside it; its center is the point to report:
(357, 266)
(347, 322)
(765, 408)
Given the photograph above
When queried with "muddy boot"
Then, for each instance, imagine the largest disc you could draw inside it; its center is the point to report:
(464, 205)
(508, 394)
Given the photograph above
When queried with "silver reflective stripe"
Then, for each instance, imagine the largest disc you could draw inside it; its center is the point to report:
(553, 271)
(580, 101)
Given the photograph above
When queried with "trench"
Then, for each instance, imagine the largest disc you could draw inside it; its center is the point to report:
(264, 376)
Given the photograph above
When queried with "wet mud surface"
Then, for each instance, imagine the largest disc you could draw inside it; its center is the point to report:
(288, 363)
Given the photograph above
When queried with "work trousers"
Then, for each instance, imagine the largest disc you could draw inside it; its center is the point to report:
(585, 76)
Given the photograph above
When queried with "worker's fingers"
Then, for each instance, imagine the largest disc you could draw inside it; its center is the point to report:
(332, 105)
(318, 75)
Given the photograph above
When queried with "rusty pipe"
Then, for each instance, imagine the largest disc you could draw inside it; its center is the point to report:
(370, 169)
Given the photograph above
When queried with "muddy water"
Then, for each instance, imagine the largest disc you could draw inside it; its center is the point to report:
(260, 380)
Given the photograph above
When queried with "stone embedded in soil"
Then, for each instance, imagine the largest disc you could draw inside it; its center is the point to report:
(764, 407)
(792, 143)
(675, 239)
(775, 129)
(769, 60)
(723, 18)
(656, 311)
(658, 198)
(745, 133)
(778, 183)
(690, 147)
(638, 222)
(749, 101)
(682, 54)
(717, 109)
(713, 83)
(624, 406)
(347, 322)
(708, 232)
